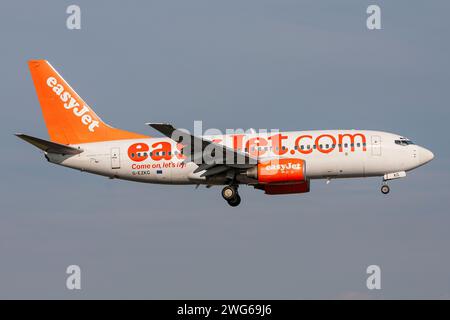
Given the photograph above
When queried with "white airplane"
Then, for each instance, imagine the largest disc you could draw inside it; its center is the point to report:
(277, 163)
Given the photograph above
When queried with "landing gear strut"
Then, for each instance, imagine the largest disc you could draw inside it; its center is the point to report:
(231, 195)
(385, 189)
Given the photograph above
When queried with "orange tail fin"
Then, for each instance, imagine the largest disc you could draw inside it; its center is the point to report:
(68, 118)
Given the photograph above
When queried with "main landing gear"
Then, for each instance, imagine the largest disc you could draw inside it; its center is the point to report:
(231, 195)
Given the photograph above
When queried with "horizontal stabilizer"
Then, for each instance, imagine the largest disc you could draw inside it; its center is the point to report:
(48, 146)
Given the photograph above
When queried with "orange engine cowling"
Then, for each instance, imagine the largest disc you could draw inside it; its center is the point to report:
(289, 170)
(280, 176)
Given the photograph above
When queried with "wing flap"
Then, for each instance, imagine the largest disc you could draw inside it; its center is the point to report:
(215, 170)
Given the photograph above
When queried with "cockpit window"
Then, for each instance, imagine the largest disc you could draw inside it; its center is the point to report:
(403, 142)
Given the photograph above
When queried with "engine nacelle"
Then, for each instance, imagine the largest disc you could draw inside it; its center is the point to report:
(280, 176)
(287, 170)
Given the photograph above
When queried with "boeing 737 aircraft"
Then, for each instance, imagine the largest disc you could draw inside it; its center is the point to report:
(277, 163)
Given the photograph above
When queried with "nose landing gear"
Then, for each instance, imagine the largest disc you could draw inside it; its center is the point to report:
(385, 189)
(231, 195)
(391, 176)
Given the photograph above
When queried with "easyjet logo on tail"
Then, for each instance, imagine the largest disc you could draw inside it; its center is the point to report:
(70, 103)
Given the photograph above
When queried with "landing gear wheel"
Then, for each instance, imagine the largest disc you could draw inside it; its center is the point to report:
(229, 193)
(385, 189)
(235, 202)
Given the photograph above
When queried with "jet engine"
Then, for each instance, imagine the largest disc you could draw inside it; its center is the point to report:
(280, 176)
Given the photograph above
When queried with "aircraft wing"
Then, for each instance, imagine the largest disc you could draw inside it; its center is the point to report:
(48, 146)
(194, 150)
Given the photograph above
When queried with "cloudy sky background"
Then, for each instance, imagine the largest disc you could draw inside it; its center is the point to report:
(283, 64)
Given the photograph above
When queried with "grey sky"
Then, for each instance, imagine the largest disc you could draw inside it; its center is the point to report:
(281, 64)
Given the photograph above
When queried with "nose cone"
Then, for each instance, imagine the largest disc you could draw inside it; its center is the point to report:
(425, 155)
